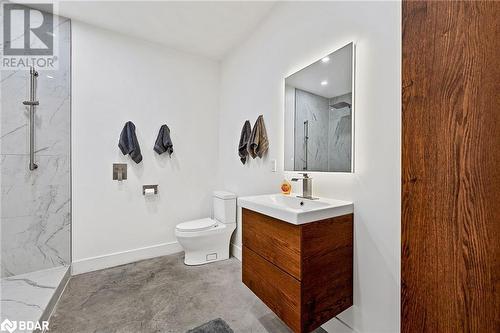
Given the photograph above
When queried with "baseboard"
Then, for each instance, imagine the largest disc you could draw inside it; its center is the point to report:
(236, 251)
(125, 257)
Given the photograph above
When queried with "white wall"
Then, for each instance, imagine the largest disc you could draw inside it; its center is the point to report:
(116, 79)
(252, 83)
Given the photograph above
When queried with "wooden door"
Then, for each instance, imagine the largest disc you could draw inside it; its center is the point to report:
(450, 253)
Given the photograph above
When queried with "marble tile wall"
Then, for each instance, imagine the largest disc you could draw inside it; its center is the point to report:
(35, 205)
(313, 108)
(330, 132)
(340, 136)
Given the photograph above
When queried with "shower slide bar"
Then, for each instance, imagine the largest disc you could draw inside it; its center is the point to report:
(32, 103)
(306, 143)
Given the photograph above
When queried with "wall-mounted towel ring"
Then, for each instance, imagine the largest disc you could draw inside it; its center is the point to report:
(163, 141)
(128, 143)
(258, 143)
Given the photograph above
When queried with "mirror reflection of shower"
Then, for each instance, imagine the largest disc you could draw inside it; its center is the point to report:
(306, 142)
(32, 103)
(340, 105)
(319, 113)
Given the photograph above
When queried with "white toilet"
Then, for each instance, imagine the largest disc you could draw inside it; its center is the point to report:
(207, 240)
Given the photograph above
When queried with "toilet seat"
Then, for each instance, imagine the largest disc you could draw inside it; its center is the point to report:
(197, 225)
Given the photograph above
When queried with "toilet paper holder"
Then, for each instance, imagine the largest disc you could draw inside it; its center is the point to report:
(146, 187)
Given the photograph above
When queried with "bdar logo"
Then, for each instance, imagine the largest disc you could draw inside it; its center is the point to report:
(8, 325)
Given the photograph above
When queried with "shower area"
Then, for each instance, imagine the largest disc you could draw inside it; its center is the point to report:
(323, 132)
(35, 179)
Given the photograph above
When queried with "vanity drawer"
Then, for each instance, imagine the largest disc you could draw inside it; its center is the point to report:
(277, 289)
(304, 273)
(275, 240)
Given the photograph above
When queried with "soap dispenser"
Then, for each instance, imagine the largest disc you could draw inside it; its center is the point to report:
(286, 187)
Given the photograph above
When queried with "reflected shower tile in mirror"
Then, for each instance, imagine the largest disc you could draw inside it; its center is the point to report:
(319, 115)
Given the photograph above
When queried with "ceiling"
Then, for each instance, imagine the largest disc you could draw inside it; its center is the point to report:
(337, 72)
(206, 28)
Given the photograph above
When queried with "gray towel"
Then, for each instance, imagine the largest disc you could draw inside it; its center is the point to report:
(258, 143)
(163, 142)
(128, 143)
(243, 145)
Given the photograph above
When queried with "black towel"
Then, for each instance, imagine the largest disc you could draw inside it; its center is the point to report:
(163, 142)
(243, 145)
(128, 142)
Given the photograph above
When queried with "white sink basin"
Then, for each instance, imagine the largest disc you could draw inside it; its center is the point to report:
(291, 209)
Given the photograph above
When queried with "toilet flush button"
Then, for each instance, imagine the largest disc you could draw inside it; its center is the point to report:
(211, 256)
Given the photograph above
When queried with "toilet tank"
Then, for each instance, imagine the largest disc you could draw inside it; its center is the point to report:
(225, 207)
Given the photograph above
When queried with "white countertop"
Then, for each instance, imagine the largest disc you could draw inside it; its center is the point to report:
(295, 210)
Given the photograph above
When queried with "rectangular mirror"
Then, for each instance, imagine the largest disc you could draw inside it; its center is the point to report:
(319, 127)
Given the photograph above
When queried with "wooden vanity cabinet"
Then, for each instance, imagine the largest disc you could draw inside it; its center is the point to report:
(301, 272)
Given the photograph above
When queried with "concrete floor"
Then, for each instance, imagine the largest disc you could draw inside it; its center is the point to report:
(162, 295)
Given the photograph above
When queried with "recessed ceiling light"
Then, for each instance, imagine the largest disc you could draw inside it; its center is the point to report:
(325, 59)
(324, 83)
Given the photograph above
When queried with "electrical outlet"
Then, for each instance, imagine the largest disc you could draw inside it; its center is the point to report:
(273, 165)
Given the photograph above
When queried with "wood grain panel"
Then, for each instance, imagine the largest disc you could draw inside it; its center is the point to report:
(325, 255)
(275, 240)
(277, 289)
(327, 270)
(450, 252)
